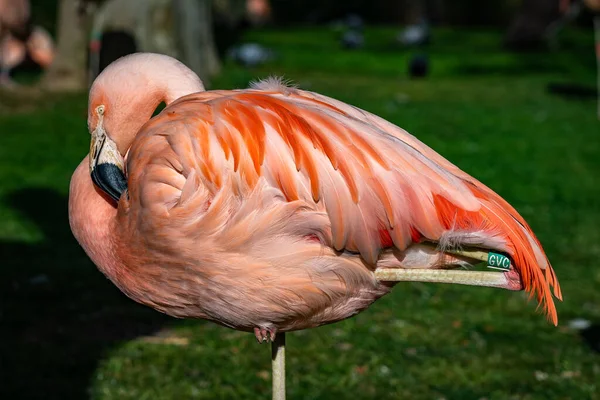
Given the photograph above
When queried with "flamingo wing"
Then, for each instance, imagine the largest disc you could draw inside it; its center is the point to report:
(378, 185)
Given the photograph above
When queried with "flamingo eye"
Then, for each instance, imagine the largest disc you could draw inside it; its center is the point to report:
(100, 109)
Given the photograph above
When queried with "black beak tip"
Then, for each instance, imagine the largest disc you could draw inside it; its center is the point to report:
(110, 179)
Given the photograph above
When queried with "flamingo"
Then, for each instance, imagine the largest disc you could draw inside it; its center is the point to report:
(14, 15)
(17, 37)
(39, 45)
(273, 209)
(258, 11)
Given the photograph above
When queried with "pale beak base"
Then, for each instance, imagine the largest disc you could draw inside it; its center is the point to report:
(106, 165)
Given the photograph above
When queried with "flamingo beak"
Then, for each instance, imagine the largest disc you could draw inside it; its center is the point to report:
(106, 164)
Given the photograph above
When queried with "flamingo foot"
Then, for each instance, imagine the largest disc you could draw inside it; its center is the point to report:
(265, 334)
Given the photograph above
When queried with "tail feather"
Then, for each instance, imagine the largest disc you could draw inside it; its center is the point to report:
(501, 221)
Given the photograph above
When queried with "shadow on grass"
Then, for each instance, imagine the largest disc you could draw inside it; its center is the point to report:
(58, 315)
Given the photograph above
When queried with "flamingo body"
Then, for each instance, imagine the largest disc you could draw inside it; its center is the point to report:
(14, 15)
(271, 208)
(12, 52)
(258, 11)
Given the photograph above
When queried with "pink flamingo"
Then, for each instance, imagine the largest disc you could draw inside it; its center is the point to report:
(258, 11)
(15, 25)
(274, 209)
(39, 45)
(14, 16)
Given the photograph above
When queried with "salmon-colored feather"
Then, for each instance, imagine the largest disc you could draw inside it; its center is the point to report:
(518, 246)
(439, 196)
(272, 207)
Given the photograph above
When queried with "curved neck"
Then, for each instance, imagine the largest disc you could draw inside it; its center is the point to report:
(132, 87)
(92, 218)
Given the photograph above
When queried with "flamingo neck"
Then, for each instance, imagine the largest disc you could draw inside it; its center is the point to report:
(132, 87)
(93, 221)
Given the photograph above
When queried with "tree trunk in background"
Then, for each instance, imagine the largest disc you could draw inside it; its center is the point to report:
(435, 10)
(404, 12)
(414, 11)
(528, 28)
(229, 23)
(126, 26)
(230, 12)
(69, 69)
(194, 20)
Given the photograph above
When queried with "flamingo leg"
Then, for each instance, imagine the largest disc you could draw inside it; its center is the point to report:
(508, 280)
(278, 366)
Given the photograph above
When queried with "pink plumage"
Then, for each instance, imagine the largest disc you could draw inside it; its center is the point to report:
(271, 208)
(18, 38)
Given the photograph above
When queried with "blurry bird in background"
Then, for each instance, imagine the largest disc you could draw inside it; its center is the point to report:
(12, 53)
(14, 25)
(353, 36)
(251, 55)
(418, 34)
(274, 209)
(258, 11)
(354, 22)
(418, 66)
(591, 336)
(39, 46)
(18, 38)
(14, 17)
(588, 331)
(352, 40)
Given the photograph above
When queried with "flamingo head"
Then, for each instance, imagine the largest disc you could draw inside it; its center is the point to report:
(122, 99)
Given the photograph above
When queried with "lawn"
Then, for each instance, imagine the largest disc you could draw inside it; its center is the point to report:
(66, 332)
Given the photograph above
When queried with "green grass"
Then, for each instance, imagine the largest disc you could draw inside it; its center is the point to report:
(66, 332)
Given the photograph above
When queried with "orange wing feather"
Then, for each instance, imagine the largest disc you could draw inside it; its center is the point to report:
(378, 184)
